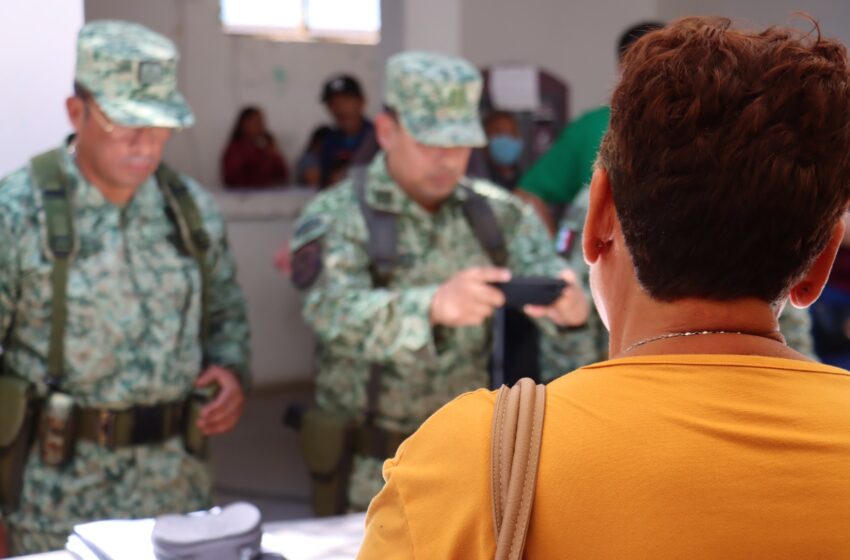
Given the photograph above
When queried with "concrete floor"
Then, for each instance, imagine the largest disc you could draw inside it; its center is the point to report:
(260, 461)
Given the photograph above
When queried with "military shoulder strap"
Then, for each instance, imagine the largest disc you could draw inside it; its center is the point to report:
(382, 249)
(190, 225)
(382, 245)
(479, 214)
(53, 183)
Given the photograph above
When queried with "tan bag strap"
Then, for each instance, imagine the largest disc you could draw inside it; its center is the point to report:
(515, 453)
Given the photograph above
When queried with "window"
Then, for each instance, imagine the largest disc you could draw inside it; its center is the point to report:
(348, 21)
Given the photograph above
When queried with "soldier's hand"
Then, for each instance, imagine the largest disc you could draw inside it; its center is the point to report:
(283, 260)
(222, 414)
(467, 298)
(570, 310)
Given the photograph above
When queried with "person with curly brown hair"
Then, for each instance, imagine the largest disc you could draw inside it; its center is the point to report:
(716, 201)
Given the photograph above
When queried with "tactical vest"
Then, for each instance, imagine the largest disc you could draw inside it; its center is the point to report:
(382, 249)
(54, 186)
(21, 408)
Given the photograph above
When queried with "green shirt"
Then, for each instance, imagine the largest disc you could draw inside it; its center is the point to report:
(566, 168)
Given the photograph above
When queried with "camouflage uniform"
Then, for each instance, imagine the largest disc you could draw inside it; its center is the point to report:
(133, 325)
(795, 324)
(435, 99)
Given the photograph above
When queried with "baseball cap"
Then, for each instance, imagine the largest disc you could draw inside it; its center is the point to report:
(131, 72)
(436, 98)
(341, 85)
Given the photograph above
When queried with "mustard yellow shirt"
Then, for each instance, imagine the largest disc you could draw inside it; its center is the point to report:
(686, 456)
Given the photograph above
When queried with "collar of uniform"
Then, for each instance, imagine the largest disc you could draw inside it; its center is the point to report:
(146, 200)
(383, 193)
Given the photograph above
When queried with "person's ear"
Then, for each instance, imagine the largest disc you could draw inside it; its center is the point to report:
(386, 131)
(601, 222)
(806, 291)
(76, 109)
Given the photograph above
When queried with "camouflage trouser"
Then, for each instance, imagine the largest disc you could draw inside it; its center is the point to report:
(99, 483)
(367, 480)
(30, 542)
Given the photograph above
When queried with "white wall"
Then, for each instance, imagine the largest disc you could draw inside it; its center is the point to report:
(220, 73)
(834, 15)
(38, 78)
(433, 25)
(574, 39)
(281, 342)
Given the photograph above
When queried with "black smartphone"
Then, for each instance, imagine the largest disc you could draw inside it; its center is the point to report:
(531, 290)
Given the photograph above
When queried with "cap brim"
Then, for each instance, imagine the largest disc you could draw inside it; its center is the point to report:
(170, 113)
(454, 134)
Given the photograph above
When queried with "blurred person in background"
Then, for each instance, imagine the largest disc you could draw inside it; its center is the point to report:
(252, 159)
(345, 101)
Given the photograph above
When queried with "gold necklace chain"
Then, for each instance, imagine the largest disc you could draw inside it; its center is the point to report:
(639, 343)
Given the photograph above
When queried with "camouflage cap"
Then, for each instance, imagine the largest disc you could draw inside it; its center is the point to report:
(436, 98)
(132, 74)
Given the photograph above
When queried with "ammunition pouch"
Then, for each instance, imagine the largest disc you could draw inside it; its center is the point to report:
(20, 412)
(57, 434)
(194, 441)
(327, 443)
(17, 426)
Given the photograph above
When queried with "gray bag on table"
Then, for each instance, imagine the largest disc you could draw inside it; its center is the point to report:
(232, 533)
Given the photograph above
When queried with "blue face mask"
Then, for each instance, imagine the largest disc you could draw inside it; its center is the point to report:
(504, 149)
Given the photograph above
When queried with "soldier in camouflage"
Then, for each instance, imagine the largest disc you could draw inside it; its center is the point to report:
(132, 335)
(427, 329)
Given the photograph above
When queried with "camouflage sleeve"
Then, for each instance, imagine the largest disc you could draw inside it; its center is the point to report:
(530, 249)
(532, 252)
(796, 326)
(347, 314)
(9, 275)
(228, 345)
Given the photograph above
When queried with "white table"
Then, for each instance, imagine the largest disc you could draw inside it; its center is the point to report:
(328, 538)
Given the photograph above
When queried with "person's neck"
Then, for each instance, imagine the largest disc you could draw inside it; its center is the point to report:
(504, 171)
(117, 195)
(355, 127)
(745, 326)
(430, 205)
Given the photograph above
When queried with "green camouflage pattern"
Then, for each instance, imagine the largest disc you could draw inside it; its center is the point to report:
(132, 338)
(357, 325)
(436, 98)
(132, 73)
(795, 324)
(137, 482)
